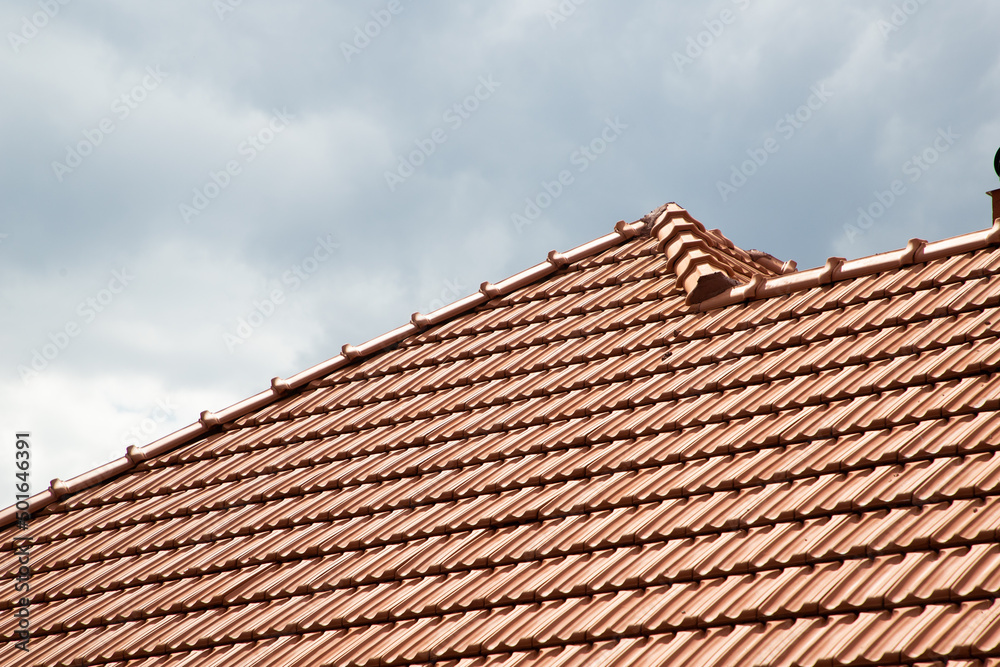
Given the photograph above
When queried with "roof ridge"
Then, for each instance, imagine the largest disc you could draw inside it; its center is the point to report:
(703, 259)
(917, 251)
(700, 258)
(688, 247)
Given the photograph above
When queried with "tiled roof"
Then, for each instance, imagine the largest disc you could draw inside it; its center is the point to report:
(654, 449)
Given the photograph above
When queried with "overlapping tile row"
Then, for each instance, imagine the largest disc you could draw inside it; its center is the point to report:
(620, 319)
(240, 571)
(886, 635)
(584, 470)
(641, 652)
(695, 324)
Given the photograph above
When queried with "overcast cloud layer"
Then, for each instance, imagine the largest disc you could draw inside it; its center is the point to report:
(198, 196)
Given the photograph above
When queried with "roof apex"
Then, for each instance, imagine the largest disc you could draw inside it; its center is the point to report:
(702, 259)
(687, 246)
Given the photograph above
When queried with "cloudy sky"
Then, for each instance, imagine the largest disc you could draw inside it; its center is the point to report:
(197, 196)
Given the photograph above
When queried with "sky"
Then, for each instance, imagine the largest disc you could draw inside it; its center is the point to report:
(196, 197)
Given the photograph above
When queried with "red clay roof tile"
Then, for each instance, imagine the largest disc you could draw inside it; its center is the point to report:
(576, 467)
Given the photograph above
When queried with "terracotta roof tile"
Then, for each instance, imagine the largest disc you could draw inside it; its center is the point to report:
(576, 467)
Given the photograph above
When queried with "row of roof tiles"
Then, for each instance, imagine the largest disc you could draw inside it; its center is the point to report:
(646, 350)
(524, 478)
(684, 558)
(794, 376)
(640, 652)
(614, 576)
(475, 468)
(889, 635)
